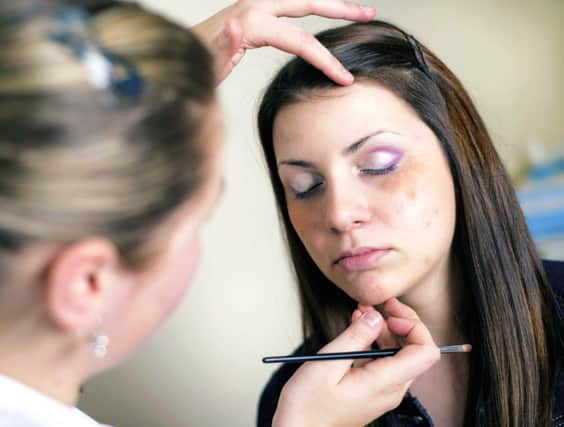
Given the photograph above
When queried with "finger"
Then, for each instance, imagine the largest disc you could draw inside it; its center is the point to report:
(228, 48)
(418, 355)
(359, 363)
(359, 335)
(404, 322)
(364, 307)
(410, 362)
(387, 339)
(398, 309)
(234, 31)
(294, 40)
(420, 351)
(413, 331)
(335, 9)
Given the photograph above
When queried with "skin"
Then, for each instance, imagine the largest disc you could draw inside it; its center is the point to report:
(406, 211)
(250, 24)
(338, 393)
(85, 288)
(60, 297)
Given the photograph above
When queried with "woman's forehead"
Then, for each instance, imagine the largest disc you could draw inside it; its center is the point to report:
(352, 114)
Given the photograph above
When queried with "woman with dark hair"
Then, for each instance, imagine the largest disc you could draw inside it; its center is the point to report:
(391, 189)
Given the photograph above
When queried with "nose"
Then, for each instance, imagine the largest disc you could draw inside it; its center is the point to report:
(346, 208)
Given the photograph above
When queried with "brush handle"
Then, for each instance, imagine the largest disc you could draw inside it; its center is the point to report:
(370, 354)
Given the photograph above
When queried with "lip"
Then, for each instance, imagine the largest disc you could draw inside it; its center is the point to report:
(360, 259)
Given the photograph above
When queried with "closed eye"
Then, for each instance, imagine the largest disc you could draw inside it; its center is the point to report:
(302, 184)
(307, 193)
(384, 171)
(380, 162)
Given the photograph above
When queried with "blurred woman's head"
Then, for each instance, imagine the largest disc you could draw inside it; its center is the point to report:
(393, 188)
(110, 141)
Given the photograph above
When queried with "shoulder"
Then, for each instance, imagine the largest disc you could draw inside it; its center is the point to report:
(555, 275)
(23, 406)
(17, 418)
(271, 391)
(36, 417)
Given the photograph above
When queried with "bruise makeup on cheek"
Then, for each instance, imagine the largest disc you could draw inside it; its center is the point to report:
(404, 188)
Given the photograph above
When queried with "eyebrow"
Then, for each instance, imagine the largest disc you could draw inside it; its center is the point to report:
(355, 146)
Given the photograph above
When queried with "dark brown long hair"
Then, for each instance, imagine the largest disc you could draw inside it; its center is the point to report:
(508, 314)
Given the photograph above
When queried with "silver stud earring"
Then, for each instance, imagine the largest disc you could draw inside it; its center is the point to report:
(100, 345)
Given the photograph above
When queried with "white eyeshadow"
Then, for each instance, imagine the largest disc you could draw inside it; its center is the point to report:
(301, 182)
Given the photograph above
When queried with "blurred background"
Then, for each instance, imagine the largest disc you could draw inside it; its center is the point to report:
(204, 368)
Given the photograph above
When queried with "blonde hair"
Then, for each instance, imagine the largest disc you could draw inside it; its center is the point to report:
(77, 160)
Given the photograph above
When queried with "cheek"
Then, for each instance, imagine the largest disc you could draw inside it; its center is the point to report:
(304, 219)
(185, 263)
(404, 195)
(300, 219)
(176, 274)
(421, 201)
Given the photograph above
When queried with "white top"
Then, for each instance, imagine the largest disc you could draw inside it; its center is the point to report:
(22, 406)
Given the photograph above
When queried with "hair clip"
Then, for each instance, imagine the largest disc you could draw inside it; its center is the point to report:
(419, 56)
(106, 70)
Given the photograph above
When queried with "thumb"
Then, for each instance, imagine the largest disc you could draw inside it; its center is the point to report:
(228, 49)
(357, 337)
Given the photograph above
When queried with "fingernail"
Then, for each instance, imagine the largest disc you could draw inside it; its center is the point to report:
(367, 9)
(371, 318)
(347, 76)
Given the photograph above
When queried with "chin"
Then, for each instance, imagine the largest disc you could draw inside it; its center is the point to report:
(374, 289)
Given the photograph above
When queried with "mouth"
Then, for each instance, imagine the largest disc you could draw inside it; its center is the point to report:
(360, 259)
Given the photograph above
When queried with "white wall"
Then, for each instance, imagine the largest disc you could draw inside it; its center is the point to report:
(203, 368)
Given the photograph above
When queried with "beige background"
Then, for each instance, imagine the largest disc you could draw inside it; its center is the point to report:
(203, 368)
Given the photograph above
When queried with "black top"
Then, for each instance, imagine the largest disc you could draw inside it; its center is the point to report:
(411, 412)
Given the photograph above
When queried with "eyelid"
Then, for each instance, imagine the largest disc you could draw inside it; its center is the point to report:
(308, 180)
(307, 193)
(395, 157)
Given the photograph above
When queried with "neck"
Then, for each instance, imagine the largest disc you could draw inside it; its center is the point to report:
(436, 301)
(442, 389)
(35, 363)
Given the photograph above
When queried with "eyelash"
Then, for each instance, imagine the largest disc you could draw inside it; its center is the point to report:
(371, 172)
(384, 171)
(307, 193)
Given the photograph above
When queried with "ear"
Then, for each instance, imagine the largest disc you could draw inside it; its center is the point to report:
(78, 283)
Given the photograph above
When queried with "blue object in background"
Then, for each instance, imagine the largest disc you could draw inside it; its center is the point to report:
(543, 205)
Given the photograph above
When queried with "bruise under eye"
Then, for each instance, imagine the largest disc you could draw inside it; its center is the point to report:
(380, 159)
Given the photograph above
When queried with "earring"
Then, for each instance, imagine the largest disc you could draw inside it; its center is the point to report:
(100, 345)
(99, 342)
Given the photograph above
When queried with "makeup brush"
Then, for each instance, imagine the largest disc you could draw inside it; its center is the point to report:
(370, 354)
